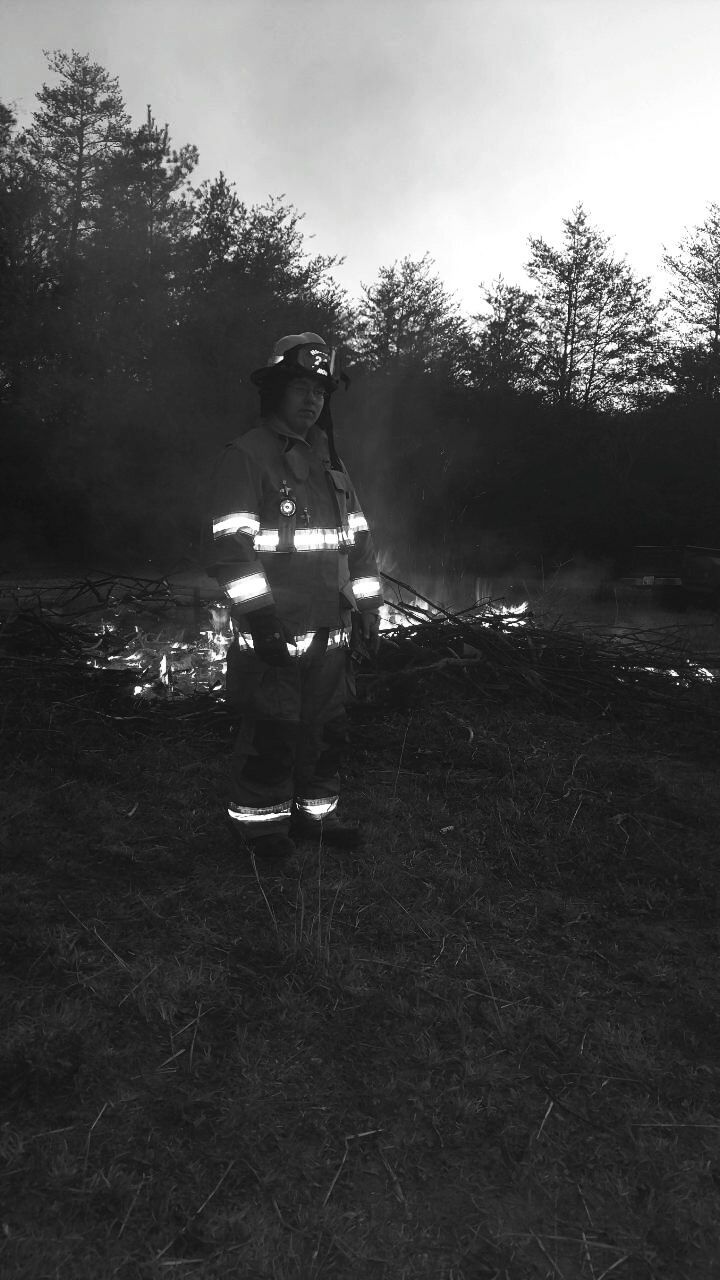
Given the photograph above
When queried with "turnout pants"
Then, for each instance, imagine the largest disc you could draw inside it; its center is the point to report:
(285, 756)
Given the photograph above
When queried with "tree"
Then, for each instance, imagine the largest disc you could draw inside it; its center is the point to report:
(695, 307)
(272, 252)
(597, 325)
(24, 271)
(217, 223)
(11, 236)
(261, 247)
(127, 277)
(505, 346)
(8, 121)
(143, 188)
(79, 126)
(407, 320)
(247, 278)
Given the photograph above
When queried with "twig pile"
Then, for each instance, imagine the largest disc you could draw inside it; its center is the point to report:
(92, 628)
(493, 653)
(91, 595)
(488, 652)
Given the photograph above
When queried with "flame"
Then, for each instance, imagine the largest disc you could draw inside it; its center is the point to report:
(695, 672)
(394, 615)
(169, 666)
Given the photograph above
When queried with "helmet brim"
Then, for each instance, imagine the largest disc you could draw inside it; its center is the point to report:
(276, 374)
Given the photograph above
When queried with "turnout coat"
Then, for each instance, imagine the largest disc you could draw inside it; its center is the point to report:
(286, 530)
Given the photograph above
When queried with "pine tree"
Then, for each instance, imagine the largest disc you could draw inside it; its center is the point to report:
(25, 275)
(695, 307)
(408, 320)
(218, 217)
(505, 345)
(597, 325)
(135, 254)
(249, 278)
(145, 190)
(79, 126)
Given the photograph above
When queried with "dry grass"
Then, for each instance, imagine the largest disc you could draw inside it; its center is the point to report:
(487, 1048)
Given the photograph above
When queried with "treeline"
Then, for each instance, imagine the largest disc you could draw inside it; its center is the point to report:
(580, 415)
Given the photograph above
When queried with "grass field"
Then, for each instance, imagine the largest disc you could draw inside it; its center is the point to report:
(487, 1047)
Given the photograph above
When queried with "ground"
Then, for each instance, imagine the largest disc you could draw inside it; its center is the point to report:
(486, 1047)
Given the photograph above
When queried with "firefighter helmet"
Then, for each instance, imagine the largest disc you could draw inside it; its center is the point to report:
(297, 354)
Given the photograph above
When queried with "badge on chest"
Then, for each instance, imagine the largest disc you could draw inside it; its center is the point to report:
(288, 506)
(287, 510)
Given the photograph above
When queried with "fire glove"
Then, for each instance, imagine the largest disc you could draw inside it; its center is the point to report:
(269, 637)
(366, 633)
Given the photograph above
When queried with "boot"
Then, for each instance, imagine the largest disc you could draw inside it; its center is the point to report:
(276, 847)
(330, 830)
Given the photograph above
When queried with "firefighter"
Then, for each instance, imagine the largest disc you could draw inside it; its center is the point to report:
(289, 544)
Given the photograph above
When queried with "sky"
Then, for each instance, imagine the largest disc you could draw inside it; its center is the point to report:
(456, 128)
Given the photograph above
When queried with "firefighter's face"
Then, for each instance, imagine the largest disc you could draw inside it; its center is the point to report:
(301, 404)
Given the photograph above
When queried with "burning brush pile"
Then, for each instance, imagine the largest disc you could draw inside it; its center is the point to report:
(165, 646)
(168, 650)
(497, 653)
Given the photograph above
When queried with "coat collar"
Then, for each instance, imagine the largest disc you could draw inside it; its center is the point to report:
(315, 439)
